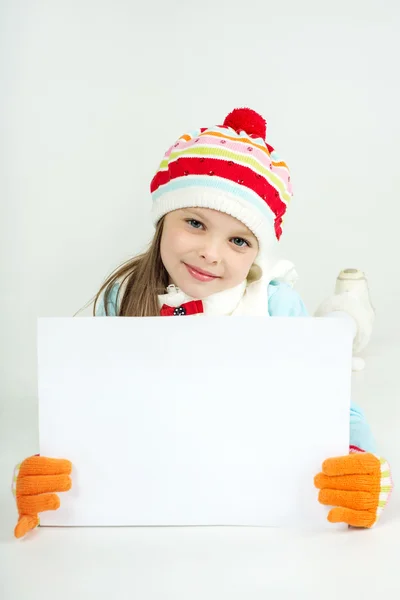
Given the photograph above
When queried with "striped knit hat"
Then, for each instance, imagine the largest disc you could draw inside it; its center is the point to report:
(229, 168)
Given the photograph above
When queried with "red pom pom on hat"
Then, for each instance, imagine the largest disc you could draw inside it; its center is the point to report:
(248, 120)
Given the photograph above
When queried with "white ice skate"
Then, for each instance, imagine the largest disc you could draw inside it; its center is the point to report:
(352, 298)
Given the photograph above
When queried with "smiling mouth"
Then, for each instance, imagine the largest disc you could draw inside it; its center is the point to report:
(199, 274)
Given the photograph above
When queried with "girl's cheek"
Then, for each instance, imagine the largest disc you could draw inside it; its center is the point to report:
(184, 239)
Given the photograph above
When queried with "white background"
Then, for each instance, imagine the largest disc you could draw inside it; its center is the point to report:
(92, 94)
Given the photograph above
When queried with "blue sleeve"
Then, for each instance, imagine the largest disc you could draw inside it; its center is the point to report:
(284, 301)
(360, 433)
(112, 303)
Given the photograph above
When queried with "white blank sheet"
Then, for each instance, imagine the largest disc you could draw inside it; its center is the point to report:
(193, 421)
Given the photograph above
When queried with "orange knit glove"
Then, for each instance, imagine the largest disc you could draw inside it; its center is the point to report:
(34, 480)
(357, 485)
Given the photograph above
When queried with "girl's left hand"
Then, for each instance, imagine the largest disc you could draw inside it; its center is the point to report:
(357, 486)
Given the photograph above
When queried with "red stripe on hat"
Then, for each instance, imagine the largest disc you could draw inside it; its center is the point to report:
(227, 170)
(278, 227)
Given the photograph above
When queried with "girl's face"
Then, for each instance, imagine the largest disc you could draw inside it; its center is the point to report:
(206, 251)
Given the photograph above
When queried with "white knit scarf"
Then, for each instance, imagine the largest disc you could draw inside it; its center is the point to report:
(245, 299)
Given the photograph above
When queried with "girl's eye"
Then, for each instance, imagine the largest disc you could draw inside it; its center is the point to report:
(195, 224)
(240, 242)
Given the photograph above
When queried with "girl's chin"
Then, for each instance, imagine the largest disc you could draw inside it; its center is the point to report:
(199, 290)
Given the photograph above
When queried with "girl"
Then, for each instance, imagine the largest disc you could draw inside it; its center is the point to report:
(219, 197)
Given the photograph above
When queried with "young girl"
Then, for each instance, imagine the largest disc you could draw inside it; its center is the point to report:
(219, 197)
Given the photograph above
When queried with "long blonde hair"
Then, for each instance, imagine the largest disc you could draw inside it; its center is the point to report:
(145, 277)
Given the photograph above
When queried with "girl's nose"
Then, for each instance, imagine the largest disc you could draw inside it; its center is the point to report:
(211, 252)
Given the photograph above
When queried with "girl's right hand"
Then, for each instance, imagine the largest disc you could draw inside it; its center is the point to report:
(36, 480)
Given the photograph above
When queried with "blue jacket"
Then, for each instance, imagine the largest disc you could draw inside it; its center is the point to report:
(283, 301)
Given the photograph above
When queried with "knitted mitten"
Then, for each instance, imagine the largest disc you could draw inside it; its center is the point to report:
(35, 480)
(357, 485)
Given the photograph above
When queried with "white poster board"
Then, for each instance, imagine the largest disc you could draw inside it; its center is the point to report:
(193, 421)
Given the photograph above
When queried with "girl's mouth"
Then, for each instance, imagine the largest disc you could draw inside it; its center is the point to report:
(200, 274)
